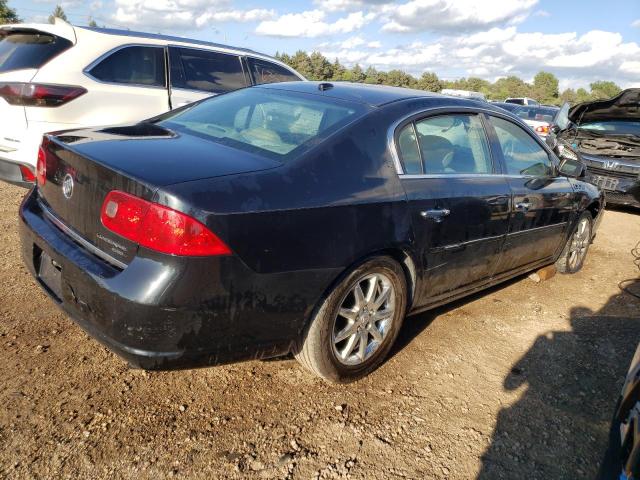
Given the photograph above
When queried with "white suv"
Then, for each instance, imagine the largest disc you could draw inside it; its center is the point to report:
(57, 77)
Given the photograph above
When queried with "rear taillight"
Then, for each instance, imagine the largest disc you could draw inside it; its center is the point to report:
(27, 174)
(542, 129)
(41, 166)
(157, 227)
(39, 95)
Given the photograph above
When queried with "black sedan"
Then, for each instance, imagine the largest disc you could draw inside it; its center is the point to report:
(303, 217)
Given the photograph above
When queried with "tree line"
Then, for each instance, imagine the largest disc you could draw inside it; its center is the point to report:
(544, 87)
(315, 66)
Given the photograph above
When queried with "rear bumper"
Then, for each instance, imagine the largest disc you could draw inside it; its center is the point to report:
(10, 172)
(163, 312)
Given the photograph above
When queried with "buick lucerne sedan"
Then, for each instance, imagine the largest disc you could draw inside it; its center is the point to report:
(302, 217)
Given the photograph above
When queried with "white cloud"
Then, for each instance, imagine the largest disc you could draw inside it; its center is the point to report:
(576, 59)
(450, 15)
(636, 23)
(374, 44)
(182, 14)
(312, 23)
(341, 5)
(353, 42)
(541, 13)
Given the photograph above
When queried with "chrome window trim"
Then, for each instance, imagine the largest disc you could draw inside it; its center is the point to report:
(87, 70)
(78, 239)
(425, 112)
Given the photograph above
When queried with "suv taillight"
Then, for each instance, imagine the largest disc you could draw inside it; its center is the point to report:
(27, 174)
(542, 129)
(39, 95)
(157, 227)
(41, 166)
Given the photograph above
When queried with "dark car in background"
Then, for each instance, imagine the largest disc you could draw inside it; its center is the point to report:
(605, 134)
(509, 107)
(301, 217)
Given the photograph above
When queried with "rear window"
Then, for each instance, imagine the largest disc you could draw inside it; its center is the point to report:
(134, 65)
(536, 113)
(264, 121)
(267, 72)
(29, 50)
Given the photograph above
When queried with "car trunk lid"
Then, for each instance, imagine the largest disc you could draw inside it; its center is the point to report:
(135, 159)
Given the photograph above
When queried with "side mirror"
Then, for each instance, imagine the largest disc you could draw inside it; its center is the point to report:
(572, 168)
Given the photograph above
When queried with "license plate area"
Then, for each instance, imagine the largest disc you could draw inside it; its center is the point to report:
(50, 275)
(605, 183)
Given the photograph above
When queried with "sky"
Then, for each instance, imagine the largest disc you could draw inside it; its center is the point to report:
(579, 41)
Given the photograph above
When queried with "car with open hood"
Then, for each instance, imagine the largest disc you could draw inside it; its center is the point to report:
(605, 135)
(295, 217)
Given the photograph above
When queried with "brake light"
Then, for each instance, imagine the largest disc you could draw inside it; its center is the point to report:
(157, 227)
(39, 95)
(41, 166)
(542, 129)
(27, 174)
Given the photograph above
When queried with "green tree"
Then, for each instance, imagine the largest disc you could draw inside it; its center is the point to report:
(604, 89)
(339, 71)
(58, 12)
(430, 82)
(398, 78)
(321, 68)
(569, 95)
(92, 22)
(510, 87)
(7, 14)
(371, 75)
(545, 87)
(582, 95)
(301, 62)
(355, 74)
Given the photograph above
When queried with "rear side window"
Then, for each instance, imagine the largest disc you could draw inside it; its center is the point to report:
(522, 154)
(135, 65)
(265, 121)
(205, 70)
(267, 72)
(29, 50)
(448, 144)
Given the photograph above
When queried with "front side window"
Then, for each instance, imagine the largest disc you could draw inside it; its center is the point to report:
(447, 144)
(522, 154)
(135, 65)
(206, 71)
(265, 121)
(267, 72)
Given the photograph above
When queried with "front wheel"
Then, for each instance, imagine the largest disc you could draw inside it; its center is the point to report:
(354, 328)
(575, 251)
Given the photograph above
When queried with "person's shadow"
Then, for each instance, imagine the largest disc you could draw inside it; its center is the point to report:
(571, 380)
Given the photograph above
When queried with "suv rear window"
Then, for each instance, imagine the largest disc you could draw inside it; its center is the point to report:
(133, 65)
(267, 72)
(21, 50)
(265, 121)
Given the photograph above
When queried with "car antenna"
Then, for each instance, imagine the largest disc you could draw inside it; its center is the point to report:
(325, 86)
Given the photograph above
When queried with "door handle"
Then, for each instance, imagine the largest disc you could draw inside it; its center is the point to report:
(524, 206)
(436, 215)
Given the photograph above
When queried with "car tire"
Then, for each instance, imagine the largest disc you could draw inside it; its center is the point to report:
(355, 315)
(575, 251)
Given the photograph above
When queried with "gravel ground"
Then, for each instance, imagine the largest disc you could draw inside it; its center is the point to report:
(516, 382)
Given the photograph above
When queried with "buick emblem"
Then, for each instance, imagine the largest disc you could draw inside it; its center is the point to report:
(67, 186)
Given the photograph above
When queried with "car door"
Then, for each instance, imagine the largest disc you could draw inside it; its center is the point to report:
(459, 206)
(130, 85)
(198, 73)
(542, 202)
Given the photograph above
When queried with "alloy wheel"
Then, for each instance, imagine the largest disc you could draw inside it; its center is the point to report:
(363, 319)
(579, 244)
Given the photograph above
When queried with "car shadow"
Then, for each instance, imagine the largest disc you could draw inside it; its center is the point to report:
(559, 427)
(415, 324)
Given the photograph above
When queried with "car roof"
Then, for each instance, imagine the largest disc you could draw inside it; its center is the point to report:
(169, 38)
(373, 95)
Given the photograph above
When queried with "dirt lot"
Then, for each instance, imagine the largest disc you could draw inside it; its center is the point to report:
(517, 382)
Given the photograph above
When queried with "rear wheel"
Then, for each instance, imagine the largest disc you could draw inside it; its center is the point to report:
(575, 251)
(356, 325)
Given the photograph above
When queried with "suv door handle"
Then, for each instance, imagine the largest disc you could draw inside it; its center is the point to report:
(436, 215)
(524, 206)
